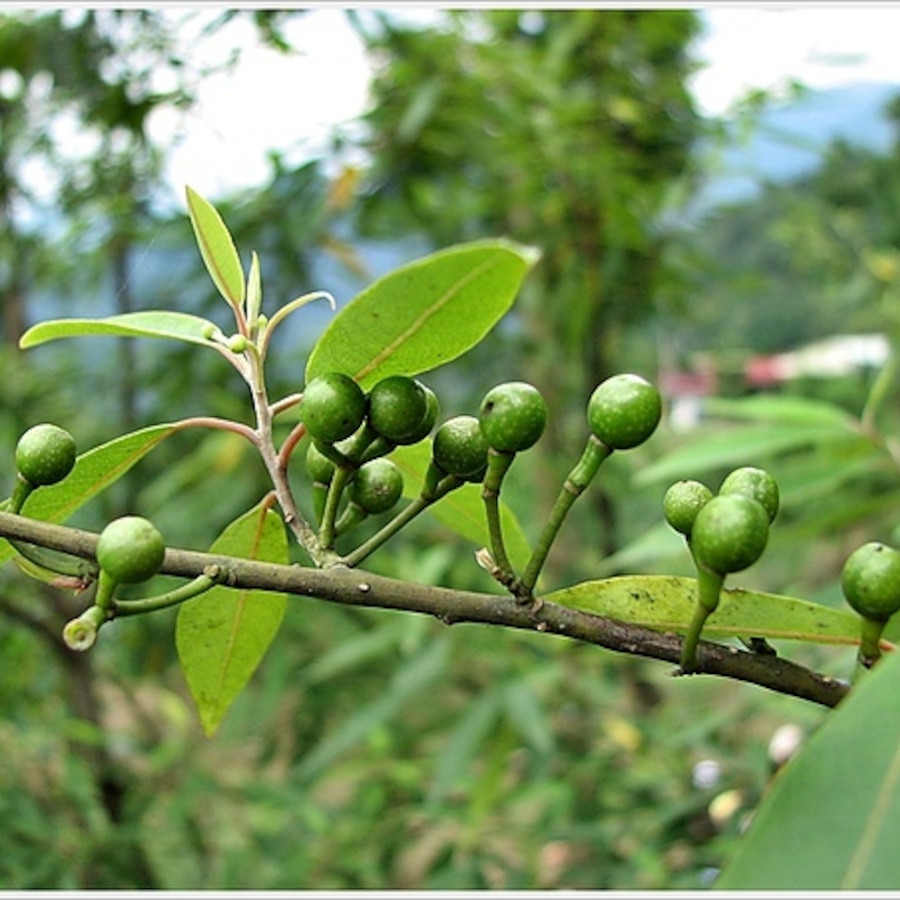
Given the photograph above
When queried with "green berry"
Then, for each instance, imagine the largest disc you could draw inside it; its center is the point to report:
(755, 483)
(624, 410)
(681, 503)
(513, 416)
(45, 454)
(376, 486)
(432, 411)
(871, 580)
(130, 549)
(459, 448)
(333, 407)
(319, 466)
(397, 408)
(729, 533)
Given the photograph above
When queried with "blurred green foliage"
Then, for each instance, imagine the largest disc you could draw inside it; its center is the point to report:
(382, 750)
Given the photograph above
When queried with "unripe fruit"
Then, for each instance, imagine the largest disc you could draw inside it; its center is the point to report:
(755, 483)
(871, 581)
(397, 406)
(432, 411)
(513, 416)
(624, 410)
(319, 466)
(459, 448)
(729, 533)
(45, 454)
(332, 407)
(681, 503)
(130, 549)
(376, 486)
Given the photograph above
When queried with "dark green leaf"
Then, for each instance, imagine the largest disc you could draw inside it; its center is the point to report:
(424, 314)
(223, 634)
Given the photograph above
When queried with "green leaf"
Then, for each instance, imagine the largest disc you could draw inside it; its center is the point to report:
(416, 675)
(666, 603)
(151, 323)
(830, 819)
(424, 314)
(222, 635)
(775, 408)
(462, 511)
(94, 470)
(217, 248)
(741, 445)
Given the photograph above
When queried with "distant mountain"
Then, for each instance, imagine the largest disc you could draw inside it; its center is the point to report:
(790, 139)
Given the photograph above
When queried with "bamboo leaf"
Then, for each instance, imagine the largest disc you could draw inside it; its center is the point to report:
(424, 314)
(217, 248)
(151, 323)
(222, 635)
(666, 603)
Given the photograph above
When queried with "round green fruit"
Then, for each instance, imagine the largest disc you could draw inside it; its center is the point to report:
(624, 410)
(459, 448)
(319, 466)
(755, 483)
(729, 533)
(512, 416)
(397, 407)
(45, 454)
(130, 549)
(376, 486)
(681, 503)
(333, 407)
(432, 411)
(871, 580)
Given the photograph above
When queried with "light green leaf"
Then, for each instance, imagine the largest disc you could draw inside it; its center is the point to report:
(462, 511)
(741, 445)
(94, 470)
(776, 408)
(217, 248)
(831, 818)
(254, 290)
(666, 603)
(151, 323)
(222, 635)
(424, 314)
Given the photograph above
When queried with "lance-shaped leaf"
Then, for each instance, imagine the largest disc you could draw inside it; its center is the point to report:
(423, 314)
(94, 470)
(462, 510)
(666, 603)
(830, 819)
(222, 635)
(151, 323)
(217, 248)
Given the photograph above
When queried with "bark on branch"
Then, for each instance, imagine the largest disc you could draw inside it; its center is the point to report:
(356, 587)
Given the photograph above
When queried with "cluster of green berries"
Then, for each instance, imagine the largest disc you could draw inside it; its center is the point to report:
(355, 429)
(727, 531)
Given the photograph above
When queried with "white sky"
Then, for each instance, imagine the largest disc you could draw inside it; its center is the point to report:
(291, 103)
